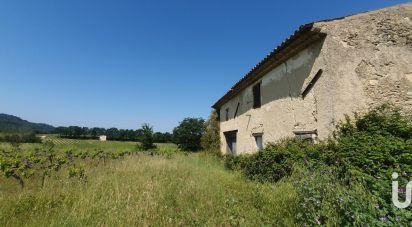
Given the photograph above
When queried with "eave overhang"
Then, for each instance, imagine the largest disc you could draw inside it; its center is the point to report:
(305, 36)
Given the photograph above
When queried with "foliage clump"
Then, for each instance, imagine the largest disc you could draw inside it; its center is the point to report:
(210, 140)
(147, 138)
(20, 165)
(345, 180)
(189, 133)
(114, 134)
(20, 138)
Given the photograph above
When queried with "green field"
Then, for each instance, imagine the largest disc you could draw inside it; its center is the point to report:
(87, 145)
(145, 190)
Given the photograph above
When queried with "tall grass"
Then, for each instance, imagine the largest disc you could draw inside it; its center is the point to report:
(141, 190)
(63, 144)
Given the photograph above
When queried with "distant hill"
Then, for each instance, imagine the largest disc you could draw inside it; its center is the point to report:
(13, 124)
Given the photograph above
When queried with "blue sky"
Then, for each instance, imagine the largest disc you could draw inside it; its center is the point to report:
(121, 63)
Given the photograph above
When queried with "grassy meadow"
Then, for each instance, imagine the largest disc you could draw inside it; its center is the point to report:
(63, 144)
(144, 190)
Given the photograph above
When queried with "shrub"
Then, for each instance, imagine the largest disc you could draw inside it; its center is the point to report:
(77, 172)
(271, 165)
(371, 148)
(21, 138)
(236, 162)
(210, 140)
(275, 161)
(324, 200)
(19, 164)
(363, 154)
(147, 138)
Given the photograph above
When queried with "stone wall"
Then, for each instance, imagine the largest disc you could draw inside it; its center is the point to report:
(374, 48)
(366, 61)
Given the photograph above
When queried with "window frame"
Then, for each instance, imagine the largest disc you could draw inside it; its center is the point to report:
(307, 135)
(231, 139)
(261, 145)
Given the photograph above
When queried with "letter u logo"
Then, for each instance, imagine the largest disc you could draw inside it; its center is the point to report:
(395, 193)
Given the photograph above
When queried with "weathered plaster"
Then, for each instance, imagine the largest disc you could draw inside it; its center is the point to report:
(366, 60)
(282, 111)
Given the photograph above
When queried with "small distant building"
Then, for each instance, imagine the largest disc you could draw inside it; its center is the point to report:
(103, 138)
(43, 137)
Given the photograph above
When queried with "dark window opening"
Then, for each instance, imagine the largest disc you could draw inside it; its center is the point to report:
(306, 135)
(231, 140)
(257, 97)
(218, 114)
(227, 114)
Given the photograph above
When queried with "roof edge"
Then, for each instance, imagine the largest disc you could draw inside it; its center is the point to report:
(302, 38)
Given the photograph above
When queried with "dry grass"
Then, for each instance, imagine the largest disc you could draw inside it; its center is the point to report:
(63, 145)
(150, 191)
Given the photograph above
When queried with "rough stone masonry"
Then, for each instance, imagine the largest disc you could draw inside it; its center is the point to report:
(378, 45)
(325, 70)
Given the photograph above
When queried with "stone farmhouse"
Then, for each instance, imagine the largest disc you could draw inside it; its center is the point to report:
(323, 71)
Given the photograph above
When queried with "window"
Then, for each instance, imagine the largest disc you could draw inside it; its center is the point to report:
(257, 102)
(227, 114)
(259, 141)
(231, 140)
(306, 135)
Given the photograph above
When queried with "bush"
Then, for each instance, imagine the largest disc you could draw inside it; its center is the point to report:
(21, 138)
(270, 165)
(236, 162)
(324, 200)
(147, 138)
(210, 140)
(363, 153)
(275, 161)
(373, 147)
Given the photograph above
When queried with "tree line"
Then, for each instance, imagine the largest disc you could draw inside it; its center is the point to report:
(76, 132)
(20, 138)
(192, 134)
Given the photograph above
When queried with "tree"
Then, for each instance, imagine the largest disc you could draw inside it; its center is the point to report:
(147, 138)
(168, 137)
(139, 134)
(188, 134)
(63, 131)
(96, 132)
(210, 140)
(75, 132)
(113, 134)
(160, 137)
